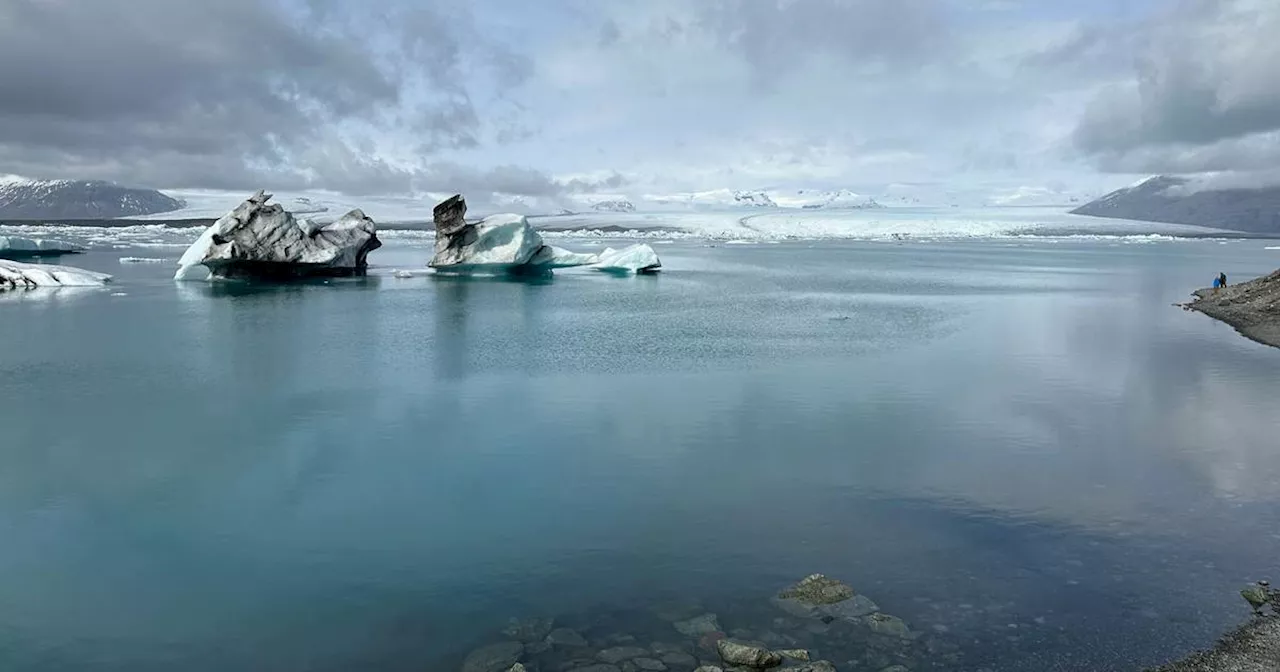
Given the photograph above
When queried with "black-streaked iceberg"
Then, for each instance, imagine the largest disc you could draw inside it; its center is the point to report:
(258, 240)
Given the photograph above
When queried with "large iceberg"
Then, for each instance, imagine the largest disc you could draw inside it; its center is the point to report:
(16, 247)
(260, 240)
(17, 275)
(509, 244)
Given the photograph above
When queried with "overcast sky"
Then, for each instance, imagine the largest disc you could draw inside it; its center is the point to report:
(636, 97)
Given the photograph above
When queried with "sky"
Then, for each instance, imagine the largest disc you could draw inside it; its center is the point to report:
(563, 99)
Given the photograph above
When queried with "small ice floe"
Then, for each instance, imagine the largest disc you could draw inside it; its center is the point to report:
(143, 260)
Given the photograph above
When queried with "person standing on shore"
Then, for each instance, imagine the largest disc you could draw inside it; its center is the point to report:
(1222, 279)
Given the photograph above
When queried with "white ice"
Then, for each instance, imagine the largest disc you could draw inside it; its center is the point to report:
(501, 243)
(639, 258)
(35, 246)
(17, 275)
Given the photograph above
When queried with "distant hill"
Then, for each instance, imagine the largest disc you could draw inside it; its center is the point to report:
(76, 199)
(1161, 199)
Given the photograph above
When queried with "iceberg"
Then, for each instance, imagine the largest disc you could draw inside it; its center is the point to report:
(509, 244)
(638, 258)
(260, 240)
(15, 247)
(17, 275)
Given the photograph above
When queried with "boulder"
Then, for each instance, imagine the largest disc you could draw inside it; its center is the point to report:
(17, 275)
(265, 241)
(746, 654)
(679, 659)
(649, 664)
(499, 657)
(889, 626)
(816, 666)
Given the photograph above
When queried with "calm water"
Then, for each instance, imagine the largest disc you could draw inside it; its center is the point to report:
(1019, 447)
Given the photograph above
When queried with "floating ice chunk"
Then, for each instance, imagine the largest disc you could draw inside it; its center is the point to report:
(257, 239)
(17, 275)
(639, 258)
(16, 247)
(551, 256)
(143, 260)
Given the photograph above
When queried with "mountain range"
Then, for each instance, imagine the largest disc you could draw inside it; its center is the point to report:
(1180, 200)
(76, 199)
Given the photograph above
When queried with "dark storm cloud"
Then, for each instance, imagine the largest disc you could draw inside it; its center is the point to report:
(1203, 94)
(231, 93)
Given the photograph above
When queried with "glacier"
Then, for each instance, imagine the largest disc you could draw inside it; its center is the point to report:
(16, 247)
(261, 240)
(18, 275)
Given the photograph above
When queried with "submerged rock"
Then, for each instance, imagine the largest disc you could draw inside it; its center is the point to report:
(566, 637)
(17, 275)
(601, 667)
(743, 653)
(890, 626)
(528, 630)
(494, 658)
(649, 664)
(818, 596)
(816, 666)
(679, 660)
(261, 240)
(698, 625)
(620, 653)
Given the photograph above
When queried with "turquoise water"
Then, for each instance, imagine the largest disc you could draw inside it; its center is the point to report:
(1016, 445)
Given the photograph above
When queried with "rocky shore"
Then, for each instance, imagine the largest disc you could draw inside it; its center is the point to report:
(1253, 307)
(818, 624)
(1254, 647)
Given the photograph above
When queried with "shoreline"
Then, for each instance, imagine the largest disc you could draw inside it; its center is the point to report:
(1252, 308)
(1252, 647)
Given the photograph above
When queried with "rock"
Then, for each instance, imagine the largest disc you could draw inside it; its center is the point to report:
(650, 664)
(795, 654)
(517, 668)
(628, 666)
(17, 275)
(817, 666)
(698, 625)
(709, 668)
(261, 240)
(679, 660)
(890, 626)
(896, 668)
(709, 640)
(817, 596)
(493, 658)
(620, 653)
(739, 653)
(818, 589)
(529, 629)
(566, 637)
(1257, 595)
(598, 668)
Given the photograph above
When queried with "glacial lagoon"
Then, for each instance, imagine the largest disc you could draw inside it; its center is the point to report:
(1014, 444)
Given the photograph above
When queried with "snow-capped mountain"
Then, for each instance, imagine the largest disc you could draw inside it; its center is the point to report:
(75, 199)
(1181, 200)
(618, 205)
(817, 198)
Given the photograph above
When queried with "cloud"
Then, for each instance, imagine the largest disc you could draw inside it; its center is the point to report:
(1204, 94)
(232, 93)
